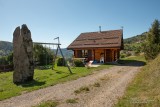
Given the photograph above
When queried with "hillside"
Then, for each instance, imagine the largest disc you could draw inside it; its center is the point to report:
(136, 39)
(5, 48)
(66, 53)
(135, 43)
(145, 88)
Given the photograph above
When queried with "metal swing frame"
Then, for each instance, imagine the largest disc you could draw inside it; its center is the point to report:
(58, 48)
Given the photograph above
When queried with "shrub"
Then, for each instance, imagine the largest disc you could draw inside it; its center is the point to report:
(47, 104)
(123, 55)
(60, 62)
(96, 84)
(72, 100)
(78, 63)
(82, 89)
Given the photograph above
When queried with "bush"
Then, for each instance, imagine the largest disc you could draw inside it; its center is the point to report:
(78, 63)
(60, 62)
(122, 55)
(151, 51)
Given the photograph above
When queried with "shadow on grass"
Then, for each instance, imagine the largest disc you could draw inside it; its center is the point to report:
(32, 83)
(59, 72)
(127, 63)
(131, 63)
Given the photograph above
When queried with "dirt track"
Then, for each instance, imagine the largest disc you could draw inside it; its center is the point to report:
(113, 83)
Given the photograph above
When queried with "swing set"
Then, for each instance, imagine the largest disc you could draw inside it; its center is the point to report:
(55, 56)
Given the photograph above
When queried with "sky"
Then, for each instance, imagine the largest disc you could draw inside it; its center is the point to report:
(67, 19)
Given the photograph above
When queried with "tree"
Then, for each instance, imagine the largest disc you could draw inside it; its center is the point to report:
(42, 55)
(10, 58)
(7, 60)
(152, 44)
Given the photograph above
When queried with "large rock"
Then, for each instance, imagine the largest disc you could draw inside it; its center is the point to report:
(22, 55)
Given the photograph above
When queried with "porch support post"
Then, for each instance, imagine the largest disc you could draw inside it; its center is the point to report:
(104, 55)
(75, 53)
(112, 55)
(118, 53)
(92, 54)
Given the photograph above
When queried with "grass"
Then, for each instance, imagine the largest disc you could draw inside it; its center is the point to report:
(119, 71)
(130, 59)
(96, 84)
(72, 100)
(82, 89)
(42, 79)
(105, 78)
(144, 90)
(49, 103)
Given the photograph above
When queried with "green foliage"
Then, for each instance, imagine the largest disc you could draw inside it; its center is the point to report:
(96, 84)
(55, 63)
(48, 103)
(152, 45)
(72, 100)
(78, 63)
(42, 55)
(60, 62)
(3, 60)
(144, 90)
(151, 51)
(122, 55)
(154, 33)
(82, 89)
(10, 59)
(7, 60)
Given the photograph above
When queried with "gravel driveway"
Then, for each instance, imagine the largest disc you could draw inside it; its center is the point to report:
(111, 86)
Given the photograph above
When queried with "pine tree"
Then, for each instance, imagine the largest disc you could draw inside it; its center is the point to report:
(154, 33)
(152, 45)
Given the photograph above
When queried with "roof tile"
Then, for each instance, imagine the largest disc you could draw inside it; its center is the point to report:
(103, 39)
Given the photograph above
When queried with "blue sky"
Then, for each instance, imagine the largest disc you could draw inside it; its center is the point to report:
(48, 19)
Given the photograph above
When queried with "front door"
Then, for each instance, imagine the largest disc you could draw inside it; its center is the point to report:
(89, 55)
(108, 55)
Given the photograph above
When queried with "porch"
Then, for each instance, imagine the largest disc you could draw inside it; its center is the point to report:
(98, 55)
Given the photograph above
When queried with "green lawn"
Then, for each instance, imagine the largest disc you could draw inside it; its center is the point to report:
(144, 90)
(130, 59)
(42, 78)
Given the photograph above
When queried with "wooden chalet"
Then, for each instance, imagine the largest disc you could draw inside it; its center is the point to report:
(98, 46)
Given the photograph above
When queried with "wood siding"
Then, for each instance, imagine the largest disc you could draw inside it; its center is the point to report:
(110, 55)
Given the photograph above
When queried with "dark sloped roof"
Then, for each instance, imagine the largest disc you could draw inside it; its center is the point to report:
(103, 39)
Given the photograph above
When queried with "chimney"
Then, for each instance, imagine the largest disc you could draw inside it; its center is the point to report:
(99, 29)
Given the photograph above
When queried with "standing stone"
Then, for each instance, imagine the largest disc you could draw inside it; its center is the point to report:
(22, 55)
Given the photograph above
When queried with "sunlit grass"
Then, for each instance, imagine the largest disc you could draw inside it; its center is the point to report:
(49, 103)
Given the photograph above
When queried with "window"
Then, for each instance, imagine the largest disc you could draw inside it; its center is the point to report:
(85, 53)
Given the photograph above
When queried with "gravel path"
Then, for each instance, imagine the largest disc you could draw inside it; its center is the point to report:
(112, 84)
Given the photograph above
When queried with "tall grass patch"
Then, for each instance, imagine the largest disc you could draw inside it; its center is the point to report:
(144, 90)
